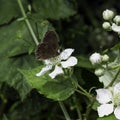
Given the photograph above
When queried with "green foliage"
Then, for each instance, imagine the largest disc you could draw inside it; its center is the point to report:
(110, 117)
(52, 9)
(58, 89)
(15, 47)
(23, 96)
(10, 10)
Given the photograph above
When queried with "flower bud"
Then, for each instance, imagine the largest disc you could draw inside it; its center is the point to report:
(99, 72)
(105, 58)
(106, 25)
(108, 14)
(117, 19)
(95, 58)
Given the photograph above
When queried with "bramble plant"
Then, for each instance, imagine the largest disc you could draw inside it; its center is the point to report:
(67, 85)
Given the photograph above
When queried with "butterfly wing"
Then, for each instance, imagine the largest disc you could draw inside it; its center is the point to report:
(49, 47)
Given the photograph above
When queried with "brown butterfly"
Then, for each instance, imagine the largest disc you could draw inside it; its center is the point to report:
(49, 46)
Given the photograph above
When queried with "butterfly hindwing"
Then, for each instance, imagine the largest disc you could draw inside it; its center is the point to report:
(49, 46)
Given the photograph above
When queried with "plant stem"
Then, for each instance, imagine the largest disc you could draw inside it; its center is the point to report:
(111, 83)
(77, 106)
(89, 108)
(67, 117)
(84, 92)
(27, 22)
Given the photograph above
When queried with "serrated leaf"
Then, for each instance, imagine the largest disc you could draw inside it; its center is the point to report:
(58, 89)
(110, 117)
(53, 9)
(9, 10)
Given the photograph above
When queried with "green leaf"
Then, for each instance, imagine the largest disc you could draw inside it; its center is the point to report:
(53, 9)
(14, 46)
(58, 89)
(9, 10)
(110, 117)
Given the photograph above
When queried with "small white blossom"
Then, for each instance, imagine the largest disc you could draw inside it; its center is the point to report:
(95, 58)
(117, 19)
(108, 14)
(115, 28)
(106, 25)
(109, 100)
(64, 60)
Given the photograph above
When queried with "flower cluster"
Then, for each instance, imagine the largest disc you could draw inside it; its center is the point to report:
(109, 100)
(98, 59)
(112, 21)
(60, 62)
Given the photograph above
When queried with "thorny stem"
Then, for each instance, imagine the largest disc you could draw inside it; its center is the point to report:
(67, 117)
(27, 22)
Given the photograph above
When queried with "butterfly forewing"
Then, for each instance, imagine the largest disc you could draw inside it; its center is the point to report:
(49, 46)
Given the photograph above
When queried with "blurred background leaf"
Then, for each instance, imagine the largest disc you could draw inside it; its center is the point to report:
(10, 10)
(53, 9)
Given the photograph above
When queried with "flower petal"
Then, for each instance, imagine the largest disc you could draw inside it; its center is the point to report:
(44, 70)
(103, 96)
(72, 61)
(115, 28)
(117, 112)
(105, 109)
(58, 70)
(65, 54)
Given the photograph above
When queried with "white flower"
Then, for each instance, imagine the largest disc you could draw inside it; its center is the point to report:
(64, 60)
(108, 14)
(96, 58)
(106, 25)
(115, 28)
(109, 100)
